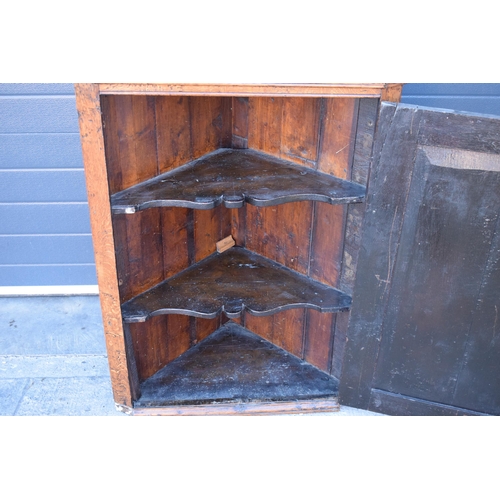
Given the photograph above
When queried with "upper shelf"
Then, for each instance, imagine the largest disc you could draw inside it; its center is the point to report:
(234, 176)
(231, 282)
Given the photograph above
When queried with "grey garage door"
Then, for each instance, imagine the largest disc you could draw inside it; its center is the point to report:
(44, 223)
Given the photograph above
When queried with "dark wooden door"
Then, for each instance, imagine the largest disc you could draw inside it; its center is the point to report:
(424, 334)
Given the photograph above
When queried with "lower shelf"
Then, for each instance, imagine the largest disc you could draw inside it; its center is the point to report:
(235, 371)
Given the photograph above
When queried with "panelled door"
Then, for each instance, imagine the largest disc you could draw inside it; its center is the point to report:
(424, 334)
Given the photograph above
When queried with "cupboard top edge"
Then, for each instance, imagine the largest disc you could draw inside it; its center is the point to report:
(373, 90)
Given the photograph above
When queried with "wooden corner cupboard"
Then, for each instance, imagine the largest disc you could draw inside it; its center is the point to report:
(230, 224)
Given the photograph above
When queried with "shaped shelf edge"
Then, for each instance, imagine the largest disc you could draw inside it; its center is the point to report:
(232, 282)
(233, 177)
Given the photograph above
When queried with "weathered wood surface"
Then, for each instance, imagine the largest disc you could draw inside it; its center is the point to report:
(367, 118)
(425, 316)
(319, 405)
(234, 177)
(89, 112)
(231, 282)
(305, 236)
(235, 365)
(397, 404)
(385, 202)
(241, 90)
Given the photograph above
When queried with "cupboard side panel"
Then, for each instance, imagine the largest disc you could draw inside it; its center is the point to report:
(91, 132)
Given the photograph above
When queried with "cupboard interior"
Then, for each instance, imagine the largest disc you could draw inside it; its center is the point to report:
(147, 135)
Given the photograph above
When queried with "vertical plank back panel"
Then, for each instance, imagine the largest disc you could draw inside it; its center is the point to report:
(336, 148)
(146, 136)
(300, 130)
(290, 129)
(173, 132)
(129, 131)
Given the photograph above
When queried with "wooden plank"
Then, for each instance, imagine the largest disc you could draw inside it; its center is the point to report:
(173, 126)
(385, 205)
(463, 131)
(362, 156)
(392, 92)
(240, 122)
(264, 408)
(318, 339)
(336, 148)
(226, 135)
(177, 237)
(284, 329)
(300, 130)
(400, 405)
(238, 90)
(206, 121)
(150, 346)
(138, 243)
(130, 140)
(264, 124)
(89, 111)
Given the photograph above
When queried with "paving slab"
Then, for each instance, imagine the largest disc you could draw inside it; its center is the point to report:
(74, 396)
(51, 325)
(45, 365)
(11, 393)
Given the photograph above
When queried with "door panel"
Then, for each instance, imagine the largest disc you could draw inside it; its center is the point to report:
(424, 331)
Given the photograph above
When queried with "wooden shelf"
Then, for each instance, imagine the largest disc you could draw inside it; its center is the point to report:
(233, 365)
(231, 282)
(233, 177)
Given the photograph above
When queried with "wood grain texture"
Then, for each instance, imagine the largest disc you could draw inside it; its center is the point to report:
(173, 123)
(89, 112)
(265, 408)
(450, 218)
(130, 140)
(139, 247)
(429, 289)
(336, 149)
(392, 92)
(240, 122)
(300, 130)
(242, 90)
(362, 156)
(400, 405)
(386, 198)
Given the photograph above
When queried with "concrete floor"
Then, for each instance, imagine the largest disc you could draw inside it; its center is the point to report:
(53, 359)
